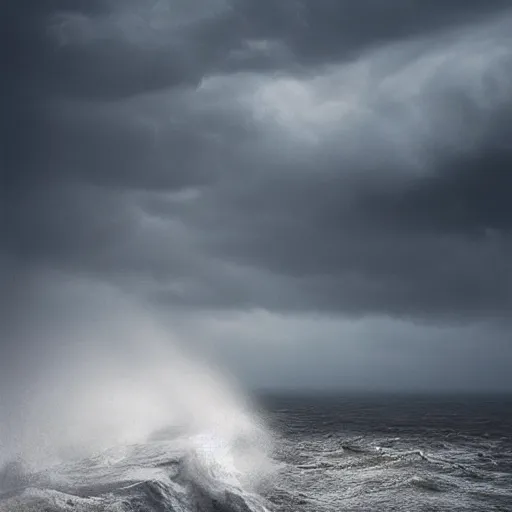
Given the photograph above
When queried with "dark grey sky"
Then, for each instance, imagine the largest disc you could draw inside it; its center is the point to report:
(316, 192)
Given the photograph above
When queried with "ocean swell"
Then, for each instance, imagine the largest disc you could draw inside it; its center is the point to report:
(189, 473)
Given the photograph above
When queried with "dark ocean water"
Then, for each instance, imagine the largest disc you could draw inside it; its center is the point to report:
(358, 453)
(393, 453)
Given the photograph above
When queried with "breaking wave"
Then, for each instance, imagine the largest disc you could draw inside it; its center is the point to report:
(187, 473)
(119, 417)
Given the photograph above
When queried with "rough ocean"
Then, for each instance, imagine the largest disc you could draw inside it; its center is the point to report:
(363, 453)
(394, 453)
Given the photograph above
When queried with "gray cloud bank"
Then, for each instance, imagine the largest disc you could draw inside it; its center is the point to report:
(340, 158)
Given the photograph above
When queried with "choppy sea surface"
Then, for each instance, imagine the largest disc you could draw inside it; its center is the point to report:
(330, 453)
(393, 453)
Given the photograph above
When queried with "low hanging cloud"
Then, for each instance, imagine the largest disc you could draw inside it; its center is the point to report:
(348, 159)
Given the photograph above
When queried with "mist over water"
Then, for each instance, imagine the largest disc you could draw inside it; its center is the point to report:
(102, 381)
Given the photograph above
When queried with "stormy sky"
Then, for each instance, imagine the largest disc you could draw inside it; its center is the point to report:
(315, 193)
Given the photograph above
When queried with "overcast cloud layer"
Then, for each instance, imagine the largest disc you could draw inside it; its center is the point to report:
(281, 180)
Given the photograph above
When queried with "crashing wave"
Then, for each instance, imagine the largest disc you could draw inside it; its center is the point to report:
(196, 473)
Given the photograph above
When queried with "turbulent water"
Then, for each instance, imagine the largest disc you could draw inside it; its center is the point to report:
(394, 454)
(353, 454)
(170, 472)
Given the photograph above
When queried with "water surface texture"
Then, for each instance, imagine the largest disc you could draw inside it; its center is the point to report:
(379, 453)
(357, 453)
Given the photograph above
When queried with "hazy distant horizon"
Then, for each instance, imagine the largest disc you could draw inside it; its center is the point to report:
(390, 392)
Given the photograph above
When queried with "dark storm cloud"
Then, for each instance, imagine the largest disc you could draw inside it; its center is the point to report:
(399, 206)
(469, 195)
(68, 154)
(45, 132)
(325, 30)
(344, 157)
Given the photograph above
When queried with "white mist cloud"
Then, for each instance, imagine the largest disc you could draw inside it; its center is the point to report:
(102, 373)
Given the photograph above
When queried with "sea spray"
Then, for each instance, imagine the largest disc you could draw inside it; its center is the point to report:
(116, 385)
